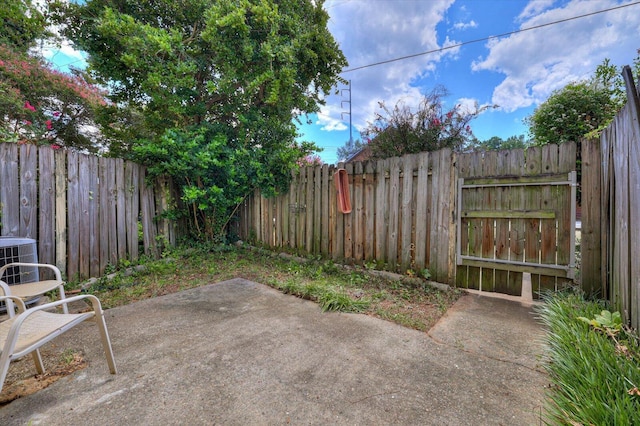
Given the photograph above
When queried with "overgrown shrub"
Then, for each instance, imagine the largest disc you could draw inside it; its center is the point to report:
(593, 363)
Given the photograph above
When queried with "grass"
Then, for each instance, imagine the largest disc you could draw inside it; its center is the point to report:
(595, 370)
(411, 303)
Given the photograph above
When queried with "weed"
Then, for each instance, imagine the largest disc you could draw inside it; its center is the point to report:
(339, 301)
(68, 356)
(425, 273)
(330, 285)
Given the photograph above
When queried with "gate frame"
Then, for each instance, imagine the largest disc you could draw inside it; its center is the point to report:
(563, 271)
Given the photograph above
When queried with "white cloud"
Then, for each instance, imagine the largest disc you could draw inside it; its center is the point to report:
(536, 62)
(389, 30)
(534, 8)
(467, 105)
(465, 25)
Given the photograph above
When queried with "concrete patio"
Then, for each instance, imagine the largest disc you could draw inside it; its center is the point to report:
(239, 353)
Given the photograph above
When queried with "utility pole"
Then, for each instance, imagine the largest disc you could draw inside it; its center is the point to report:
(344, 112)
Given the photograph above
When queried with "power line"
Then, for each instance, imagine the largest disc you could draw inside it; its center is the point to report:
(453, 46)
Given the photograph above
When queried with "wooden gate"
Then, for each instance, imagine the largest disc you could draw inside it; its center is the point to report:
(516, 215)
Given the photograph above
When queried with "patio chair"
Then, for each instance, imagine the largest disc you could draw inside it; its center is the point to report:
(29, 290)
(26, 332)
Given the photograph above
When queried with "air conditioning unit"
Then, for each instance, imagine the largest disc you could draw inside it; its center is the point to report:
(14, 249)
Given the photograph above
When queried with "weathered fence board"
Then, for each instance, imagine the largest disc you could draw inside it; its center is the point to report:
(83, 210)
(615, 194)
(73, 208)
(28, 192)
(396, 212)
(61, 211)
(46, 206)
(9, 190)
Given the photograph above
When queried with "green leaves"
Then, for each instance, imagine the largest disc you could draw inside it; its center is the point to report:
(594, 373)
(21, 24)
(611, 322)
(580, 109)
(399, 131)
(208, 90)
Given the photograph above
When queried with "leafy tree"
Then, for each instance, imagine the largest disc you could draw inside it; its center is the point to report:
(41, 105)
(497, 143)
(220, 81)
(21, 24)
(350, 148)
(398, 131)
(581, 108)
(570, 113)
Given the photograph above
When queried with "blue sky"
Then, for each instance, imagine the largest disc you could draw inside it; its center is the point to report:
(515, 72)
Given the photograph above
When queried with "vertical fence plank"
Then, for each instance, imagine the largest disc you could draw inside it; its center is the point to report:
(422, 224)
(590, 231)
(566, 231)
(118, 213)
(161, 195)
(132, 206)
(105, 211)
(502, 226)
(73, 209)
(620, 216)
(369, 211)
(317, 212)
(9, 190)
(308, 244)
(302, 209)
(94, 220)
(292, 209)
(278, 221)
(285, 218)
(46, 205)
(28, 191)
(406, 247)
(443, 215)
(394, 213)
(84, 224)
(517, 234)
(475, 225)
(60, 168)
(606, 223)
(463, 165)
(358, 212)
(333, 215)
(489, 168)
(325, 238)
(532, 201)
(348, 219)
(548, 243)
(147, 212)
(381, 215)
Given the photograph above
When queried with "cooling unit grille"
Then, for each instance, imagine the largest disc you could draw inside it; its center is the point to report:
(18, 250)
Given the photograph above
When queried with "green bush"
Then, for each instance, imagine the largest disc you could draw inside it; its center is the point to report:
(593, 363)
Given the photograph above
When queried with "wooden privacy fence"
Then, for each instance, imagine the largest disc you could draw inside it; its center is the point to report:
(405, 215)
(611, 210)
(516, 214)
(401, 218)
(85, 212)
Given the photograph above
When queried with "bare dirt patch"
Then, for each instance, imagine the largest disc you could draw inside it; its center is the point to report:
(22, 378)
